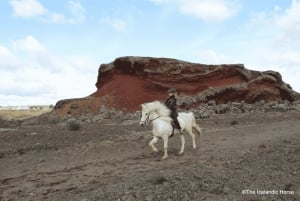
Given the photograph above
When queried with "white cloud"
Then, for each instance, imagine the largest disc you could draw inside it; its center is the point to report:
(7, 59)
(16, 100)
(56, 18)
(34, 9)
(289, 23)
(76, 15)
(206, 10)
(277, 8)
(29, 44)
(5, 53)
(291, 17)
(77, 12)
(116, 23)
(290, 58)
(260, 19)
(27, 8)
(284, 25)
(43, 77)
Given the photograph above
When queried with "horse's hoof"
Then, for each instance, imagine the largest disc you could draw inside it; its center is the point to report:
(164, 157)
(180, 153)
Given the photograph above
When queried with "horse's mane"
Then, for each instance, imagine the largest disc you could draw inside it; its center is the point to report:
(161, 109)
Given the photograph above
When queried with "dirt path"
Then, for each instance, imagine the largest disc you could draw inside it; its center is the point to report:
(237, 158)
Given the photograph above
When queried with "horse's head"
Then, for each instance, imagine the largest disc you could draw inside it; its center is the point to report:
(145, 115)
(152, 111)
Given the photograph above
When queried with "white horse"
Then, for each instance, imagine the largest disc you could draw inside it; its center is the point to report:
(159, 115)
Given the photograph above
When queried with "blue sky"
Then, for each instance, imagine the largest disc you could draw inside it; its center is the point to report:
(51, 49)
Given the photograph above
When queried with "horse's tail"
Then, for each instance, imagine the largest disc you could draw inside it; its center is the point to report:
(195, 126)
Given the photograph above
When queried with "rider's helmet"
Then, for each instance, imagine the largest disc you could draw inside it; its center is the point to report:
(171, 90)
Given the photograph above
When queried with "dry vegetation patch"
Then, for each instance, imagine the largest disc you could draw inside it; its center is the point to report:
(21, 114)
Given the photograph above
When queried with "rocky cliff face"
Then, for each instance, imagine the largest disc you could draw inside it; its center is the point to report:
(129, 81)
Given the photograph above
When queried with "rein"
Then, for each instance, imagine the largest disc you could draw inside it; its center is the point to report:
(147, 119)
(154, 118)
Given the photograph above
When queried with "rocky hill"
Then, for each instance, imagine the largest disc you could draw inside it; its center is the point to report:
(129, 81)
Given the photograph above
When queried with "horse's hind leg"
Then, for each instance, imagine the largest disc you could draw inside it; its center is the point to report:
(182, 144)
(190, 131)
(152, 142)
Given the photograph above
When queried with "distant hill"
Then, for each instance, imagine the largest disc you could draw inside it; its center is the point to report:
(127, 82)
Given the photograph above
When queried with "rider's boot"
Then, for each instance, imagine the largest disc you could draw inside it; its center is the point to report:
(172, 134)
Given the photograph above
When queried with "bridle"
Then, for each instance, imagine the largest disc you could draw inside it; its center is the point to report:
(147, 119)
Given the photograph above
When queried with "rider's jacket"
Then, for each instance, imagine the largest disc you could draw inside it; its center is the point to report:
(171, 104)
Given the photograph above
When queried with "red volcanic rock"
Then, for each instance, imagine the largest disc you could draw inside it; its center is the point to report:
(129, 81)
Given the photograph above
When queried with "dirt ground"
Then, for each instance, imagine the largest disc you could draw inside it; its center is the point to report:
(239, 157)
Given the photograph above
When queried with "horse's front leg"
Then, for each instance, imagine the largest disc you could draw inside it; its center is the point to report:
(152, 142)
(165, 139)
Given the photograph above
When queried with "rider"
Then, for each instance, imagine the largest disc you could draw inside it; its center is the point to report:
(171, 104)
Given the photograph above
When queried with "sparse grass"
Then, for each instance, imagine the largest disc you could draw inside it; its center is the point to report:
(73, 125)
(20, 114)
